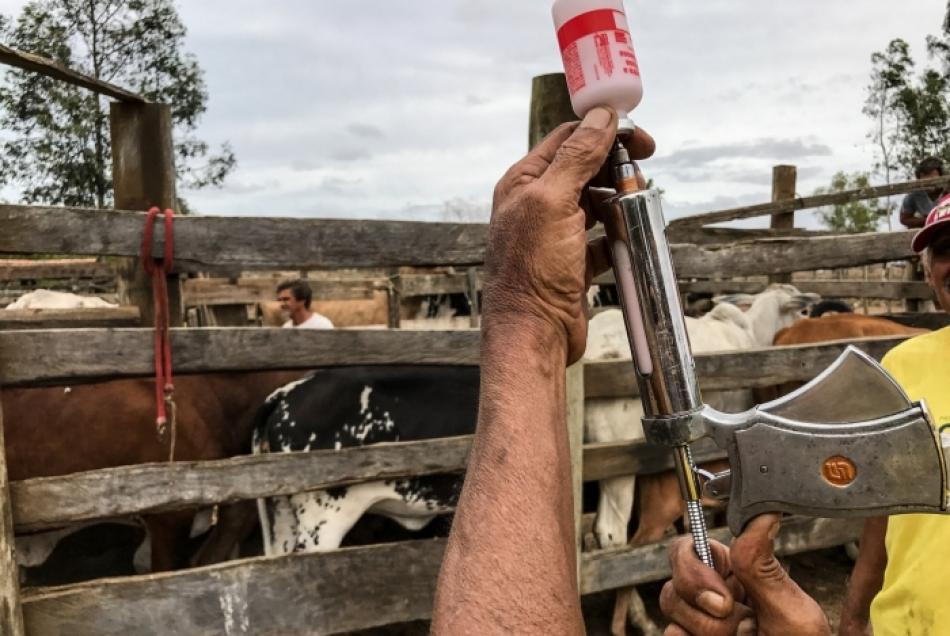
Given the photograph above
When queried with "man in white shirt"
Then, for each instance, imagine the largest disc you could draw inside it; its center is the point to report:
(294, 297)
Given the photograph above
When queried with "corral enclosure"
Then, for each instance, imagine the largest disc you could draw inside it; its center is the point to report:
(395, 581)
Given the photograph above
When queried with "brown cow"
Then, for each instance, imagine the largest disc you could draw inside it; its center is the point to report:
(60, 430)
(840, 326)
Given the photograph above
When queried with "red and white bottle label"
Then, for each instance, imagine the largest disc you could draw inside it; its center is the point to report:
(594, 46)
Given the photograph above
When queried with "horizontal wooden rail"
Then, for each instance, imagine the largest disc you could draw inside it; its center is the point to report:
(737, 370)
(784, 255)
(212, 243)
(251, 290)
(47, 356)
(890, 290)
(44, 270)
(205, 243)
(125, 316)
(57, 71)
(816, 201)
(702, 235)
(395, 583)
(48, 502)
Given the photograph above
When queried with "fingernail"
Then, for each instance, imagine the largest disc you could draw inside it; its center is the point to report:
(597, 118)
(747, 627)
(713, 603)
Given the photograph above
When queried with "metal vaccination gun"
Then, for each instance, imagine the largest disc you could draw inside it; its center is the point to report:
(847, 444)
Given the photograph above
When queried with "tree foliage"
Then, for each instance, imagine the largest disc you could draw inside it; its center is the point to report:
(58, 150)
(910, 108)
(856, 216)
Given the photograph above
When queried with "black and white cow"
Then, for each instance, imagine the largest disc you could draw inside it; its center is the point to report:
(341, 407)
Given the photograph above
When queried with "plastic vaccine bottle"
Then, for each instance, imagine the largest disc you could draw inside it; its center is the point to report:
(599, 61)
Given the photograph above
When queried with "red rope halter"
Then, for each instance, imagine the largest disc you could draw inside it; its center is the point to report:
(158, 269)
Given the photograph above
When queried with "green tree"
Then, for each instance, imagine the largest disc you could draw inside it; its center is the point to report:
(910, 109)
(59, 150)
(856, 216)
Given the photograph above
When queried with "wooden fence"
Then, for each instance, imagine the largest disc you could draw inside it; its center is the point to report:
(315, 592)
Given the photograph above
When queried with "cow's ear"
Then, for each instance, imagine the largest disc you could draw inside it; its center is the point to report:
(734, 299)
(800, 301)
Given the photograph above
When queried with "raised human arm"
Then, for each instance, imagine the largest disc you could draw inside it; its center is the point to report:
(509, 565)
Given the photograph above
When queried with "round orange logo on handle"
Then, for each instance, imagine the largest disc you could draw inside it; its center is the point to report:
(839, 470)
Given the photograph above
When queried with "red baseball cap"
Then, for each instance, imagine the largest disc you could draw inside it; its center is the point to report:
(939, 218)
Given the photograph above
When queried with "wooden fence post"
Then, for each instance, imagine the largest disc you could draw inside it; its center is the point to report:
(143, 175)
(393, 302)
(550, 106)
(471, 277)
(783, 187)
(11, 613)
(574, 395)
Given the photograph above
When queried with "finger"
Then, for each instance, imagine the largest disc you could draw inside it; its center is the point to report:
(598, 258)
(640, 144)
(693, 620)
(776, 598)
(595, 203)
(582, 154)
(533, 164)
(694, 580)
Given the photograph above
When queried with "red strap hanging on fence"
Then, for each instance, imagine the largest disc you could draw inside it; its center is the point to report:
(158, 269)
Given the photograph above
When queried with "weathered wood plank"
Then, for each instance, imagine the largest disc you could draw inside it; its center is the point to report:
(11, 615)
(127, 490)
(783, 188)
(37, 356)
(43, 270)
(623, 567)
(817, 201)
(127, 316)
(701, 235)
(932, 321)
(251, 290)
(206, 243)
(774, 256)
(891, 290)
(57, 71)
(296, 594)
(736, 370)
(396, 583)
(616, 459)
(410, 285)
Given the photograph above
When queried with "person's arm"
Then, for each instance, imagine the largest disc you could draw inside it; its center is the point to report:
(909, 217)
(866, 579)
(510, 563)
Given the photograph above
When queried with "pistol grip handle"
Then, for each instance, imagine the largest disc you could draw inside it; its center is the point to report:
(885, 466)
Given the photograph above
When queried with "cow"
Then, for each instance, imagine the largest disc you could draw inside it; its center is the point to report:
(49, 299)
(830, 306)
(341, 407)
(724, 328)
(59, 430)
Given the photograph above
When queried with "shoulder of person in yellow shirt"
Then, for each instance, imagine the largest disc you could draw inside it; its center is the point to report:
(921, 366)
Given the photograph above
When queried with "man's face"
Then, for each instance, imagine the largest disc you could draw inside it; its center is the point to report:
(934, 193)
(939, 275)
(288, 304)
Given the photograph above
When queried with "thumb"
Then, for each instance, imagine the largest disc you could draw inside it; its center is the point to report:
(777, 600)
(582, 154)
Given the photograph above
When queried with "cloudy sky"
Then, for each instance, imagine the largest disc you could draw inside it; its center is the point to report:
(412, 110)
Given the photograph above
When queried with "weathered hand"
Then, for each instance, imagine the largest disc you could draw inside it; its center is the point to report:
(749, 593)
(539, 262)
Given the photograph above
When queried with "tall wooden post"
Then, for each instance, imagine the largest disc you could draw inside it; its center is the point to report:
(551, 107)
(471, 281)
(11, 613)
(393, 301)
(783, 187)
(143, 175)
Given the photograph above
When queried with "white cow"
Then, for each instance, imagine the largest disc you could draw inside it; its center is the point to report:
(725, 328)
(49, 299)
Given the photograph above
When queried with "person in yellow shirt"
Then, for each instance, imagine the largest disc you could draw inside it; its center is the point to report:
(900, 578)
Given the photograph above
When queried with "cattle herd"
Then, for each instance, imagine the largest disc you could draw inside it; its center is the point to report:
(86, 426)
